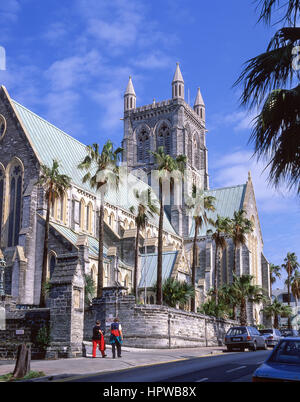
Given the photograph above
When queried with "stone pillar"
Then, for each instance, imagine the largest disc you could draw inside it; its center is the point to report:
(66, 301)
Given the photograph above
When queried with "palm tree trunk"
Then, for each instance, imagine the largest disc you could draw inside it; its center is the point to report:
(243, 313)
(289, 294)
(100, 251)
(136, 262)
(159, 251)
(234, 271)
(193, 299)
(45, 253)
(276, 323)
(216, 276)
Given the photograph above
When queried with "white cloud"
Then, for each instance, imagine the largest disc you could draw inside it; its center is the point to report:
(73, 71)
(154, 60)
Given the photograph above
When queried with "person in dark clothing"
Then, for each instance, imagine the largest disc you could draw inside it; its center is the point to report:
(98, 340)
(116, 338)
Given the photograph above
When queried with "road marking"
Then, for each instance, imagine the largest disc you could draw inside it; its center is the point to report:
(202, 379)
(237, 368)
(108, 371)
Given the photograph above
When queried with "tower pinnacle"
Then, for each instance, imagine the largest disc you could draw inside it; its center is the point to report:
(129, 96)
(199, 105)
(178, 84)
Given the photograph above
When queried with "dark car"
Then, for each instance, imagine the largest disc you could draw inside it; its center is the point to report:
(244, 338)
(271, 335)
(283, 365)
(289, 332)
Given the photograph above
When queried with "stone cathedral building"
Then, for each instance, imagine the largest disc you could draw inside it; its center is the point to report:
(27, 141)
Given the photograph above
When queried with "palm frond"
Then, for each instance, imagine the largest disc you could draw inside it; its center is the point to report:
(289, 10)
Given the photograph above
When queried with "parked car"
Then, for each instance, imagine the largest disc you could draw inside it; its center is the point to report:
(283, 365)
(289, 332)
(244, 338)
(271, 335)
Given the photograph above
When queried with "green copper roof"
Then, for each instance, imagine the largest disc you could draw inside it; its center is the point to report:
(228, 200)
(149, 267)
(72, 236)
(52, 143)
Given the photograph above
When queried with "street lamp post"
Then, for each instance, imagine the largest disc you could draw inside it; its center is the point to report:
(2, 269)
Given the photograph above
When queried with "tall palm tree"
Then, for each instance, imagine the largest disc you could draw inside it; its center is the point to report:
(146, 208)
(222, 227)
(55, 185)
(267, 81)
(295, 286)
(274, 274)
(166, 165)
(276, 309)
(240, 226)
(199, 204)
(245, 291)
(290, 265)
(102, 172)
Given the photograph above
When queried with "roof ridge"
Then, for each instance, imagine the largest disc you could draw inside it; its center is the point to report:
(224, 188)
(48, 122)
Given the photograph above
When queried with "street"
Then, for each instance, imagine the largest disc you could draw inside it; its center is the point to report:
(226, 367)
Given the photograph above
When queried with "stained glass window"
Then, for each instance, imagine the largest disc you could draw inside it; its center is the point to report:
(14, 220)
(2, 126)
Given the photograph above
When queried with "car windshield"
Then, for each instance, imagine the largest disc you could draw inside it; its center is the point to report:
(288, 352)
(266, 331)
(237, 331)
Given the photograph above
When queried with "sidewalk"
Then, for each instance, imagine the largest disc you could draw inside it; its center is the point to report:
(131, 357)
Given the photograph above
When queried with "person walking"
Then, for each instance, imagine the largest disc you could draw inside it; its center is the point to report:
(98, 340)
(116, 338)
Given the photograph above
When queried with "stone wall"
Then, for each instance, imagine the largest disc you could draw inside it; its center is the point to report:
(22, 326)
(153, 326)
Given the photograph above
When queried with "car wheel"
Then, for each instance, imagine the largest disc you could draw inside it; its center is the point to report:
(229, 349)
(254, 347)
(242, 349)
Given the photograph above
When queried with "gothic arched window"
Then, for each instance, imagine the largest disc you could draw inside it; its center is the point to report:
(82, 214)
(51, 264)
(15, 202)
(196, 149)
(143, 141)
(164, 138)
(2, 188)
(89, 217)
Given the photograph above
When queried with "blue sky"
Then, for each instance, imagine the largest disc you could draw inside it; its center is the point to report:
(69, 62)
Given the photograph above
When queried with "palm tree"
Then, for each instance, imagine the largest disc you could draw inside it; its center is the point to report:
(146, 208)
(274, 274)
(245, 291)
(102, 171)
(199, 203)
(275, 309)
(265, 79)
(240, 226)
(222, 226)
(176, 292)
(166, 166)
(295, 286)
(290, 265)
(55, 185)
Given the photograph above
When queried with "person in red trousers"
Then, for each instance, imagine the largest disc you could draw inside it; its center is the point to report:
(98, 340)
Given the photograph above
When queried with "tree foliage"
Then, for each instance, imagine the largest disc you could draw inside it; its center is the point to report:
(270, 82)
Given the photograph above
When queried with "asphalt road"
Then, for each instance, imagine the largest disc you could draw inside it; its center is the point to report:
(226, 367)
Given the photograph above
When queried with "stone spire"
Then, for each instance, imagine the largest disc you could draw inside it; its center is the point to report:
(199, 105)
(129, 97)
(178, 84)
